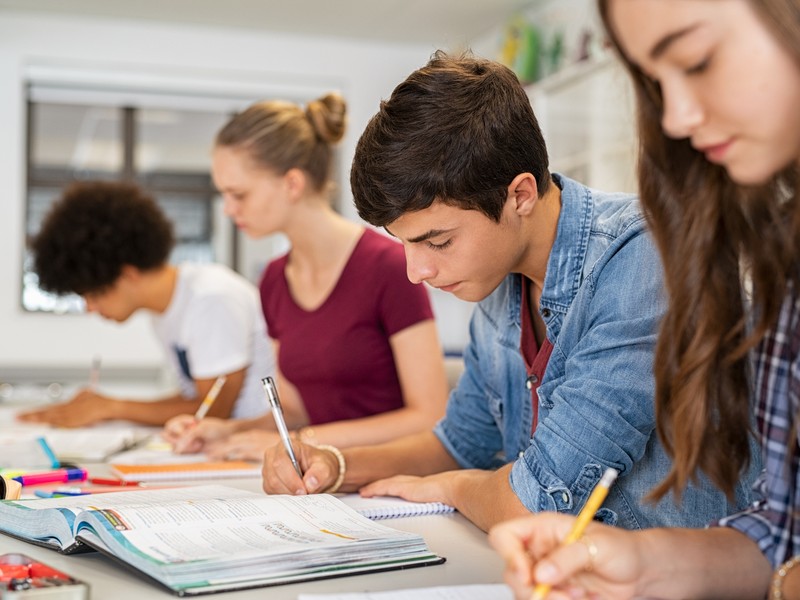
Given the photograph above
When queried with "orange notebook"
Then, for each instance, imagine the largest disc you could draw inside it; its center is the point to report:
(183, 471)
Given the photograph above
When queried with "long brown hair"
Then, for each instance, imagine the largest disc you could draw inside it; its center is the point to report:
(282, 135)
(713, 235)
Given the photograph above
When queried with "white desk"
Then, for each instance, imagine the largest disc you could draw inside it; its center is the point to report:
(469, 560)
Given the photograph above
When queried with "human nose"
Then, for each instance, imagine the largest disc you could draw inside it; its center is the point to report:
(91, 305)
(419, 267)
(228, 206)
(682, 111)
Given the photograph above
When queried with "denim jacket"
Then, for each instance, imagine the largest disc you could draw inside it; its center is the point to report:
(602, 302)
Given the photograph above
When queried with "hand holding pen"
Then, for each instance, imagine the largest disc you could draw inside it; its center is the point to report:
(179, 431)
(277, 414)
(211, 396)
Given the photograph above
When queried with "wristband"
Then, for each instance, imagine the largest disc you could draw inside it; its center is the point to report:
(342, 468)
(781, 572)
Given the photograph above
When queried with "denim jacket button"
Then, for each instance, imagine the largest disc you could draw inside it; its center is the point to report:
(545, 312)
(564, 497)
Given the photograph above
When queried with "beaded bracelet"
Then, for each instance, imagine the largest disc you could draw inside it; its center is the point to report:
(342, 468)
(780, 575)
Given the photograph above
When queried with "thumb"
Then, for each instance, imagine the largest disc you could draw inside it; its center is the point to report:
(318, 477)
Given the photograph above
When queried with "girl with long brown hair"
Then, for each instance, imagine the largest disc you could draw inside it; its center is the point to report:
(718, 91)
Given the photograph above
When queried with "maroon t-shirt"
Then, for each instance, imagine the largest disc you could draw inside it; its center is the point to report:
(338, 356)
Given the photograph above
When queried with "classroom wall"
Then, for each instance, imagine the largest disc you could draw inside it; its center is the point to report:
(365, 72)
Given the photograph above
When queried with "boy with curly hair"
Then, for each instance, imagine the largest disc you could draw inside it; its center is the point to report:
(109, 242)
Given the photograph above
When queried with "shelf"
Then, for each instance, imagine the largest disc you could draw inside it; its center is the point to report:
(571, 74)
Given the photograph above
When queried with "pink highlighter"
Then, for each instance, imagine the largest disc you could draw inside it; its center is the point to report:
(56, 476)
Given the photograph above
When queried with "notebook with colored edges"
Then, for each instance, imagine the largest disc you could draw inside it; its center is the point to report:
(186, 471)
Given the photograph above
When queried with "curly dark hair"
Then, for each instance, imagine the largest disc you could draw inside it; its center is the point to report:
(93, 231)
(458, 130)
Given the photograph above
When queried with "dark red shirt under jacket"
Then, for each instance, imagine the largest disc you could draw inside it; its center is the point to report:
(338, 356)
(535, 356)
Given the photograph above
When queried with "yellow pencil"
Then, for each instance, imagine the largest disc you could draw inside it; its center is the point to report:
(582, 521)
(210, 397)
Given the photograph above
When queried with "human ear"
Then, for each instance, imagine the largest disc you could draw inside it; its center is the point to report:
(295, 182)
(128, 273)
(524, 192)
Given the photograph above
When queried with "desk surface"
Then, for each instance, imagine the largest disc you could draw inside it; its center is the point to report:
(470, 559)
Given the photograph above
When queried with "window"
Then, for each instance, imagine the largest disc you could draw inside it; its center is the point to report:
(154, 127)
(165, 150)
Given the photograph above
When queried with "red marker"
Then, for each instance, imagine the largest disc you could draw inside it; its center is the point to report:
(105, 481)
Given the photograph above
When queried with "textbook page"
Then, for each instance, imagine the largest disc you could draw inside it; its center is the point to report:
(219, 525)
(458, 592)
(215, 542)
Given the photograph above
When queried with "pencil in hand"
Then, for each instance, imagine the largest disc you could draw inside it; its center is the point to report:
(212, 394)
(583, 519)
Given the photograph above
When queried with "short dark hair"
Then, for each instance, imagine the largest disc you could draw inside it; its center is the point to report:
(459, 130)
(95, 229)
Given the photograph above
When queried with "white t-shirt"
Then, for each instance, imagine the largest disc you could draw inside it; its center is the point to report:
(214, 325)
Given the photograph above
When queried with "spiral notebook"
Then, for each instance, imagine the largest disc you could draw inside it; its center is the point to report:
(389, 507)
(186, 471)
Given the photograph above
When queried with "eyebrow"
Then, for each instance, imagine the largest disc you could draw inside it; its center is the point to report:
(664, 43)
(425, 236)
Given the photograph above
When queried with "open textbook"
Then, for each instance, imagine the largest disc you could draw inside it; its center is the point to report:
(95, 443)
(204, 539)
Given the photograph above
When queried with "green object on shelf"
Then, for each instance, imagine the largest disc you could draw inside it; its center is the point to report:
(520, 49)
(556, 52)
(526, 62)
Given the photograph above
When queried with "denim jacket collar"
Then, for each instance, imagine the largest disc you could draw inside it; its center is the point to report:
(565, 265)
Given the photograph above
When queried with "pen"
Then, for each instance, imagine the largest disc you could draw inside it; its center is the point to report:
(210, 397)
(277, 414)
(58, 494)
(582, 521)
(59, 475)
(94, 373)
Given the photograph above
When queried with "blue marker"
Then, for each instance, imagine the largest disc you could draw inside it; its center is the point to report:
(51, 456)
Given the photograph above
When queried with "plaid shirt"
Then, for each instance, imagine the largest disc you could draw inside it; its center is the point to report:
(773, 521)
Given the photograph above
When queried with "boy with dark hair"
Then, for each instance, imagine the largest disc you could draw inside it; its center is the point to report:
(558, 382)
(110, 243)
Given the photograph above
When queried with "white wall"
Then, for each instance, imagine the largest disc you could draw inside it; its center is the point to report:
(364, 72)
